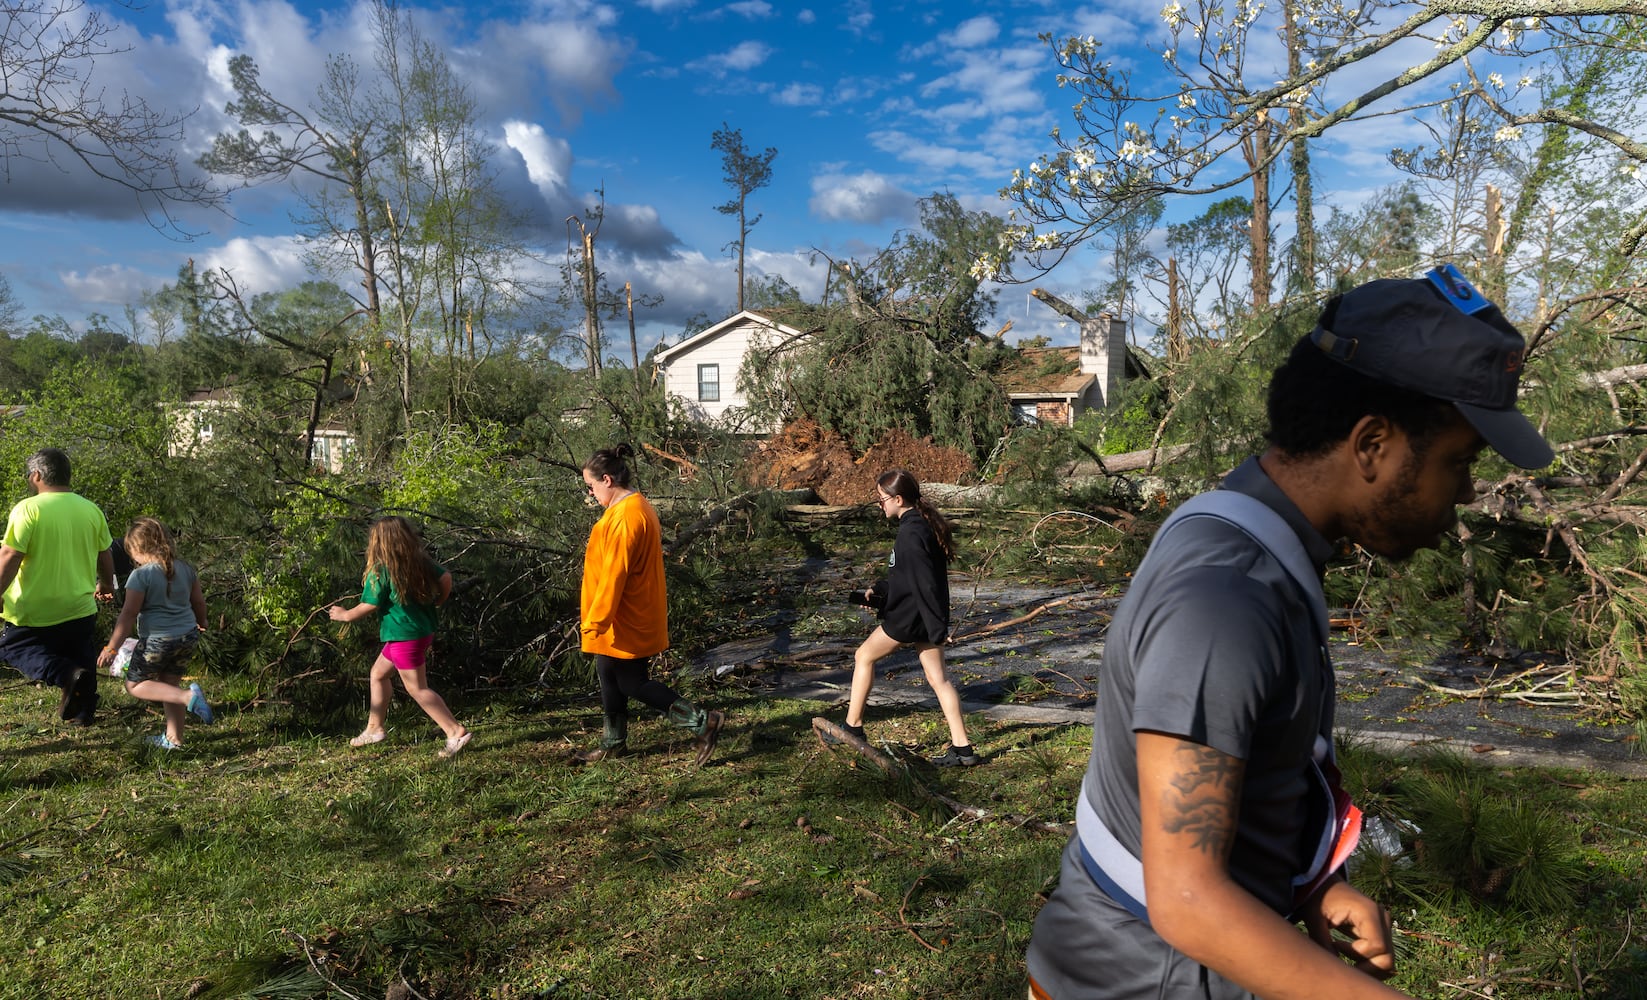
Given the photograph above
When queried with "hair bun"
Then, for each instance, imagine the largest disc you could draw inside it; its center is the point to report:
(624, 451)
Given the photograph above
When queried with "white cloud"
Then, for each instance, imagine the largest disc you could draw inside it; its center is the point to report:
(538, 178)
(806, 16)
(934, 156)
(860, 17)
(262, 263)
(548, 159)
(866, 197)
(572, 63)
(805, 271)
(972, 33)
(797, 95)
(991, 82)
(740, 58)
(665, 6)
(751, 9)
(108, 284)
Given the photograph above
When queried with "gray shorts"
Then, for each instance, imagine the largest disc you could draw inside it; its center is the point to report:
(161, 656)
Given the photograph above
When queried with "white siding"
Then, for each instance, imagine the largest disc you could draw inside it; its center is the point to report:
(727, 349)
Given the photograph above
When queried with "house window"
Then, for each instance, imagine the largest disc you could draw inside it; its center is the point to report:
(709, 383)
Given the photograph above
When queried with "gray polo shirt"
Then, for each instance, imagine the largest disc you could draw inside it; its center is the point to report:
(1214, 643)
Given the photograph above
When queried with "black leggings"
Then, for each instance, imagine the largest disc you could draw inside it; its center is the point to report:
(622, 679)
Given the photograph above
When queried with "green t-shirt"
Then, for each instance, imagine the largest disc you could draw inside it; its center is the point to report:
(60, 535)
(399, 621)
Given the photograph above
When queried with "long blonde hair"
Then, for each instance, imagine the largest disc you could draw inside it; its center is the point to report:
(149, 537)
(394, 547)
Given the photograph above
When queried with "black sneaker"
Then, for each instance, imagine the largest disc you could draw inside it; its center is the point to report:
(958, 757)
(88, 711)
(74, 701)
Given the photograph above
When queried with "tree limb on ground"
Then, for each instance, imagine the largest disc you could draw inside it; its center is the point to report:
(1032, 613)
(832, 735)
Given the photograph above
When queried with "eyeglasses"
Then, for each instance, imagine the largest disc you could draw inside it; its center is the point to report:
(880, 501)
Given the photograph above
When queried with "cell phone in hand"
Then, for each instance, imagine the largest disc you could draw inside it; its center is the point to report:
(868, 598)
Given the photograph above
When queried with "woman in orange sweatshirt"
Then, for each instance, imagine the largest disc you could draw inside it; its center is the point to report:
(625, 610)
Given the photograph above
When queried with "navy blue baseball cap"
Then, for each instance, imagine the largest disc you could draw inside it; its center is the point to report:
(1438, 336)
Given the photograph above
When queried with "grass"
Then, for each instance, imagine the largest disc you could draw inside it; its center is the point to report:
(269, 859)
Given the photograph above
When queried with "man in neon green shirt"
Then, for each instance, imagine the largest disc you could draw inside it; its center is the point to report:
(55, 565)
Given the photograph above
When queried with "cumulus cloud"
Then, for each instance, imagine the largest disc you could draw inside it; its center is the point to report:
(665, 6)
(974, 32)
(754, 10)
(538, 178)
(740, 58)
(860, 16)
(108, 285)
(570, 61)
(866, 197)
(990, 82)
(932, 156)
(262, 263)
(547, 158)
(806, 16)
(799, 95)
(695, 286)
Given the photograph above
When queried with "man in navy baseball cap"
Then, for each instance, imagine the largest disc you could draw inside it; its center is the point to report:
(1438, 336)
(1210, 822)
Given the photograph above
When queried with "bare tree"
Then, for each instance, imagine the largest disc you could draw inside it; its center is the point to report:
(745, 173)
(1130, 144)
(52, 109)
(337, 141)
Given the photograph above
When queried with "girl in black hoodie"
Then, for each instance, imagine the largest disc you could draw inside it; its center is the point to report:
(914, 608)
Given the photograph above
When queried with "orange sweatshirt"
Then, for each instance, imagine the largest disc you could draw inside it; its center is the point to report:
(625, 607)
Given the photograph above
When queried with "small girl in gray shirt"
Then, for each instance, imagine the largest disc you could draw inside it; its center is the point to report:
(167, 612)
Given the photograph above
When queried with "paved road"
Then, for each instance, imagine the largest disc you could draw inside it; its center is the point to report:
(1044, 669)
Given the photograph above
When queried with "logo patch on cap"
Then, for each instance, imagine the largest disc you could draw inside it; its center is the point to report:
(1456, 288)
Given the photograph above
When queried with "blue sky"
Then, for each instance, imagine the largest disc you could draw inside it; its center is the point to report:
(871, 105)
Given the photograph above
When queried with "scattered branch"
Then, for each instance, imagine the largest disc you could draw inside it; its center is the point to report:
(831, 735)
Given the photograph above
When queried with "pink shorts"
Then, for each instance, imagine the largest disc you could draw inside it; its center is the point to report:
(408, 654)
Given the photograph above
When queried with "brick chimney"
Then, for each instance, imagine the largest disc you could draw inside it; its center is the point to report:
(1104, 354)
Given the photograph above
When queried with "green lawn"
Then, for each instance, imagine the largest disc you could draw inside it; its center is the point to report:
(270, 859)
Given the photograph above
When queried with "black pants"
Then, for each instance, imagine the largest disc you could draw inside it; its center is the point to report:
(52, 653)
(622, 679)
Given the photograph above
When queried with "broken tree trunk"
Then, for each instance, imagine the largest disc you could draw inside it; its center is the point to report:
(832, 735)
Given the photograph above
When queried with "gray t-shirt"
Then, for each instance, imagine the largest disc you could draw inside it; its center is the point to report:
(1214, 643)
(166, 609)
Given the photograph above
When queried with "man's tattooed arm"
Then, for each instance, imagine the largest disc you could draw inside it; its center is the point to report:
(1201, 797)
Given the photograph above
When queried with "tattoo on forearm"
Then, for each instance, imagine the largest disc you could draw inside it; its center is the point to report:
(1202, 800)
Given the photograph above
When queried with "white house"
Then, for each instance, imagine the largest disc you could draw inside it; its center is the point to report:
(205, 415)
(1055, 385)
(195, 420)
(702, 370)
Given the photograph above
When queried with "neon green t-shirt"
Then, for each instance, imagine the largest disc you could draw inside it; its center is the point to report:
(60, 536)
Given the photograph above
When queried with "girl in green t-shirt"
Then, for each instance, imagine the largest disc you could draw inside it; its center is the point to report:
(404, 586)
